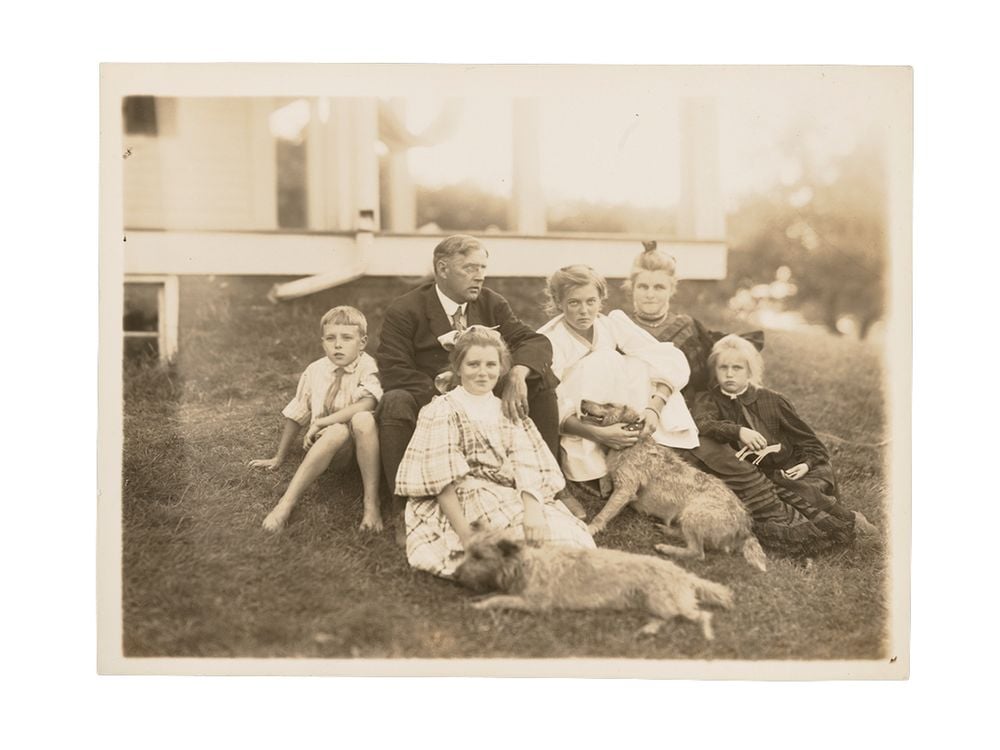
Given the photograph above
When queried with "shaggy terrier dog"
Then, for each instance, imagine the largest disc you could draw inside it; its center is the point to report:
(537, 579)
(660, 483)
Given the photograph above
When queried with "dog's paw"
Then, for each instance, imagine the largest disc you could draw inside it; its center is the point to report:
(595, 528)
(706, 626)
(651, 628)
(862, 526)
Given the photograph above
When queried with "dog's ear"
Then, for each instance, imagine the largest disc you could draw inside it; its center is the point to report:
(508, 547)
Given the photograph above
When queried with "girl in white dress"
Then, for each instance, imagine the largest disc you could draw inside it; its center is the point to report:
(609, 359)
(468, 462)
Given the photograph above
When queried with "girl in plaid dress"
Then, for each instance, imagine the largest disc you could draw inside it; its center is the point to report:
(469, 462)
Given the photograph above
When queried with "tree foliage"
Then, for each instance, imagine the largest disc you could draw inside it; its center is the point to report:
(827, 224)
(463, 207)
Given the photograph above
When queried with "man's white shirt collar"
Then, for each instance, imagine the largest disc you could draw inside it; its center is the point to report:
(449, 305)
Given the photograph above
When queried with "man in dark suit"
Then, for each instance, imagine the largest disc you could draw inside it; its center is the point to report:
(410, 353)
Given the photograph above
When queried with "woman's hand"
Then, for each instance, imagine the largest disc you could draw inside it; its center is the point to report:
(796, 472)
(535, 527)
(616, 436)
(650, 423)
(752, 439)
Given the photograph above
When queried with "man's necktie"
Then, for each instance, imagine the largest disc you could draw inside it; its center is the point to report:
(331, 393)
(458, 320)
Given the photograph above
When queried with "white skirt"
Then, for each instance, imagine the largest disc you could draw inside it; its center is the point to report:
(609, 377)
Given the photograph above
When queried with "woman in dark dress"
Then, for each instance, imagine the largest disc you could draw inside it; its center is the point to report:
(778, 522)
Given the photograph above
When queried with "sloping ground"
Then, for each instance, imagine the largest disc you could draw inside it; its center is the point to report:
(202, 579)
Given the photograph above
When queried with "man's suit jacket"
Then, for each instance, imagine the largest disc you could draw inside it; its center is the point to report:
(410, 356)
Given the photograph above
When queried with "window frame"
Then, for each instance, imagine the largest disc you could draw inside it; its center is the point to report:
(167, 313)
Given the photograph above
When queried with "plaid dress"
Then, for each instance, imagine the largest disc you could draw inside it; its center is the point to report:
(466, 440)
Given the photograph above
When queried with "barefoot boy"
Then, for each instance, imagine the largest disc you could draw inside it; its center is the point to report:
(336, 397)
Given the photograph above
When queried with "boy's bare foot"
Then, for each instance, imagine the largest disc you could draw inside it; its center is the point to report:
(371, 521)
(276, 519)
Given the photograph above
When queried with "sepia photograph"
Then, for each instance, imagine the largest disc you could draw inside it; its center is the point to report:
(564, 370)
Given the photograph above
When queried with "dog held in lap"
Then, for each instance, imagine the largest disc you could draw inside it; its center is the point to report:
(537, 579)
(660, 483)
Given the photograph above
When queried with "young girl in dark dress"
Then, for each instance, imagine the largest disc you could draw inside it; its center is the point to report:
(738, 411)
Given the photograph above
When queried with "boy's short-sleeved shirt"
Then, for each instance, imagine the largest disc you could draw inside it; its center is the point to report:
(359, 380)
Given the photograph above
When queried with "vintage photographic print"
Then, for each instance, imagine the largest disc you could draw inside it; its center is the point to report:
(505, 370)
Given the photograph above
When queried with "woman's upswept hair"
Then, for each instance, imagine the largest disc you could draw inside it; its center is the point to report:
(478, 336)
(746, 350)
(651, 259)
(345, 315)
(570, 277)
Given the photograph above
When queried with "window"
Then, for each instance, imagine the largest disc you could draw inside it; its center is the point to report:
(149, 115)
(150, 317)
(289, 125)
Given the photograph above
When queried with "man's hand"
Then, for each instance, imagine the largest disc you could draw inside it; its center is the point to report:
(515, 393)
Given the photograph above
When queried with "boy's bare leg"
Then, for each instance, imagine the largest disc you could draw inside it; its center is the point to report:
(370, 464)
(315, 463)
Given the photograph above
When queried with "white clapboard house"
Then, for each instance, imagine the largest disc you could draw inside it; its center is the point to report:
(214, 186)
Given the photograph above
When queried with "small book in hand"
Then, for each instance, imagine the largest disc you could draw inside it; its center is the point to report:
(758, 456)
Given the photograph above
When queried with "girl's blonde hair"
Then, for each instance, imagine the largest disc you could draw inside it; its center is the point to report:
(743, 348)
(651, 259)
(478, 336)
(570, 277)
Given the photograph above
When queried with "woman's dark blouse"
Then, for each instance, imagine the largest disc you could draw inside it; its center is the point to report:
(696, 342)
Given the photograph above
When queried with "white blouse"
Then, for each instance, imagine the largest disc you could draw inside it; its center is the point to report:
(617, 333)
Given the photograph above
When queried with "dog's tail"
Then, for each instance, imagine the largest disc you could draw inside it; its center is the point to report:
(710, 592)
(753, 553)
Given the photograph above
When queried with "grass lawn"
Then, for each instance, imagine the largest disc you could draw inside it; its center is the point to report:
(201, 578)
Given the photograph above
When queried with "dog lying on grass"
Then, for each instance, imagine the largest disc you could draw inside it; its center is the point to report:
(537, 579)
(660, 483)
